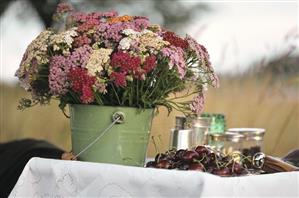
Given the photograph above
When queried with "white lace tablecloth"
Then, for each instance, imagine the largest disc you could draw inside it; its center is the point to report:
(58, 178)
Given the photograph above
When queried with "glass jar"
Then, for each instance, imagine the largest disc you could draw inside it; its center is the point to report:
(216, 141)
(253, 142)
(233, 145)
(200, 128)
(180, 122)
(218, 123)
(181, 139)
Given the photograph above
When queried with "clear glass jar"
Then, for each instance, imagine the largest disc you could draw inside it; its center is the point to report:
(216, 141)
(200, 128)
(253, 140)
(233, 145)
(218, 123)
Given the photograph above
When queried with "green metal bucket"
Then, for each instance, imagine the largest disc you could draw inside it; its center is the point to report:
(124, 143)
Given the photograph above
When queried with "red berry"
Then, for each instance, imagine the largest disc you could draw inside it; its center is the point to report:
(201, 150)
(183, 166)
(237, 168)
(179, 154)
(222, 171)
(166, 164)
(196, 166)
(189, 156)
(151, 164)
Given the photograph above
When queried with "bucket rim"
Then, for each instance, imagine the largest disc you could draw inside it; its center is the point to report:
(123, 107)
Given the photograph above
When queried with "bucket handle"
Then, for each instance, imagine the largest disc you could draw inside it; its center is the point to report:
(64, 113)
(117, 118)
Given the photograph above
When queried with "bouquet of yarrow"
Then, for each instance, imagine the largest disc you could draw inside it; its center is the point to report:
(101, 58)
(114, 69)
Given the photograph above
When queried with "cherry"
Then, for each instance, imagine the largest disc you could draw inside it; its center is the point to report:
(171, 155)
(188, 156)
(237, 168)
(160, 156)
(179, 154)
(183, 166)
(166, 164)
(196, 166)
(151, 164)
(212, 156)
(201, 149)
(222, 171)
(201, 159)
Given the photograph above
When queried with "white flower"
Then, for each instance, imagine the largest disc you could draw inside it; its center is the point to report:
(125, 43)
(146, 31)
(63, 37)
(129, 32)
(68, 36)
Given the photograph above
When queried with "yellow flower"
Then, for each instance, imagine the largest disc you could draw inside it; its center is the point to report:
(98, 60)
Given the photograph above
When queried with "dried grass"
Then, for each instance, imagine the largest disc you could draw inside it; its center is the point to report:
(246, 102)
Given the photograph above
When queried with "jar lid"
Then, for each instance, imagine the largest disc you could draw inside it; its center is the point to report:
(234, 137)
(248, 132)
(217, 136)
(202, 122)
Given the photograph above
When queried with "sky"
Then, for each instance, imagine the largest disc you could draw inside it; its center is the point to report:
(235, 34)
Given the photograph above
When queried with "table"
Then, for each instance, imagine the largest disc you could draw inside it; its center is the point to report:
(58, 178)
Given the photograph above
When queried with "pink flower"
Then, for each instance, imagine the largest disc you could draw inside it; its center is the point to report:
(63, 8)
(59, 69)
(176, 58)
(150, 63)
(215, 80)
(119, 79)
(139, 73)
(197, 104)
(201, 52)
(87, 94)
(81, 41)
(125, 62)
(82, 83)
(175, 40)
(81, 17)
(80, 56)
(114, 31)
(140, 23)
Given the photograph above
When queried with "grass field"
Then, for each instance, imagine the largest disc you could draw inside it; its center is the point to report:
(246, 102)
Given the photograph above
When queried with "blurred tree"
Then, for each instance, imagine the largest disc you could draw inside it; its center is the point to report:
(284, 65)
(282, 70)
(44, 9)
(172, 14)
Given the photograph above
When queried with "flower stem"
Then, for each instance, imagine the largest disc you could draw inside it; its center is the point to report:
(115, 94)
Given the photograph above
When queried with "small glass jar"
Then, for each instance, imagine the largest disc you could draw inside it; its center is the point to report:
(253, 142)
(218, 123)
(216, 141)
(233, 145)
(181, 139)
(200, 128)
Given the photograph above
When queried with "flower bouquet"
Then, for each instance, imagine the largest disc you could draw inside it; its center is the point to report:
(103, 59)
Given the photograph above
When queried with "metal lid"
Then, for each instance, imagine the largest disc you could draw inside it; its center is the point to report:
(234, 137)
(248, 131)
(202, 122)
(217, 136)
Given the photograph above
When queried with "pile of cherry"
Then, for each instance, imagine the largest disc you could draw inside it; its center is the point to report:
(202, 158)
